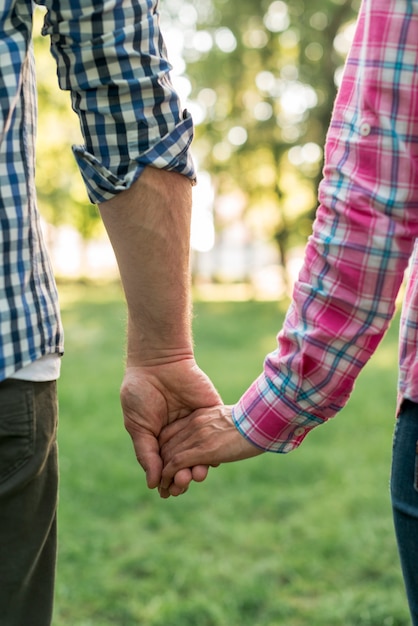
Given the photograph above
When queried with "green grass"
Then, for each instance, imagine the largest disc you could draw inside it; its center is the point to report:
(304, 539)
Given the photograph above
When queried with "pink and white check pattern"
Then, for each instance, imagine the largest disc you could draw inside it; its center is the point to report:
(363, 238)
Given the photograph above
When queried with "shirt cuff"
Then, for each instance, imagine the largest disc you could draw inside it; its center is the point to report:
(269, 420)
(171, 153)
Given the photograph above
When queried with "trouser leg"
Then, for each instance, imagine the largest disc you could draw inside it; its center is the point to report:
(28, 502)
(404, 492)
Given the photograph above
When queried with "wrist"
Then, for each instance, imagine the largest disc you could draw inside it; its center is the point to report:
(150, 356)
(160, 343)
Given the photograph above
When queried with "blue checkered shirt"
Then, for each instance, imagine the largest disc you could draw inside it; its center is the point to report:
(111, 57)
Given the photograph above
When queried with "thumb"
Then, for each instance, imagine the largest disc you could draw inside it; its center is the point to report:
(147, 452)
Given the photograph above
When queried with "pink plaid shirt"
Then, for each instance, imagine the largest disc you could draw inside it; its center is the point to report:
(363, 238)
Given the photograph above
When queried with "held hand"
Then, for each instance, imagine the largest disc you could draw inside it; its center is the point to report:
(153, 396)
(206, 437)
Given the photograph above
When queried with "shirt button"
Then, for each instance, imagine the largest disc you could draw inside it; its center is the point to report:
(299, 431)
(365, 129)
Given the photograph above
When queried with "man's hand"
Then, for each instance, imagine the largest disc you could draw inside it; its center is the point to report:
(206, 437)
(149, 227)
(155, 395)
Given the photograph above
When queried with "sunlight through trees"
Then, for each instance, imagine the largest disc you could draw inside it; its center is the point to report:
(259, 78)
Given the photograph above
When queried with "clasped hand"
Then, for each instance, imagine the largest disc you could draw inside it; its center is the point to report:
(207, 437)
(175, 439)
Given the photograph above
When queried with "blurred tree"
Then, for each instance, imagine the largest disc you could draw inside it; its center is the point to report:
(260, 77)
(263, 75)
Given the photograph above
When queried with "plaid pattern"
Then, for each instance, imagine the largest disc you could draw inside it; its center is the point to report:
(111, 57)
(362, 240)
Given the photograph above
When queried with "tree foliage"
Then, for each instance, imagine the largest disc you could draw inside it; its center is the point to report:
(261, 77)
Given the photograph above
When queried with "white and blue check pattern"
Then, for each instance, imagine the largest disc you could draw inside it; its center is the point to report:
(111, 57)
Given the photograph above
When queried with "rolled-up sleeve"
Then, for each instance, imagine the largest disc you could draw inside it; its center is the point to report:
(111, 56)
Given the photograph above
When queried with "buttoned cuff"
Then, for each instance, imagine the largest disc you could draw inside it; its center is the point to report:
(271, 421)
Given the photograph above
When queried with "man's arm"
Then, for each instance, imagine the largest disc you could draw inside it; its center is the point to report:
(148, 226)
(111, 57)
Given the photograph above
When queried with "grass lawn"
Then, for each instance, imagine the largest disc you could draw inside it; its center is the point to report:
(303, 539)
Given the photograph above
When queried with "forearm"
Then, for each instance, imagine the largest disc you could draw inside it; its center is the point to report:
(133, 129)
(149, 228)
(363, 236)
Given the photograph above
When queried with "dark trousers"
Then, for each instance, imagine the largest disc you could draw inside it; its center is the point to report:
(404, 491)
(28, 501)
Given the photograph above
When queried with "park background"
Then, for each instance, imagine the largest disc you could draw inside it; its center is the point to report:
(304, 539)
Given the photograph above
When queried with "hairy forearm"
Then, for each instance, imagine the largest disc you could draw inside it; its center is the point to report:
(149, 228)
